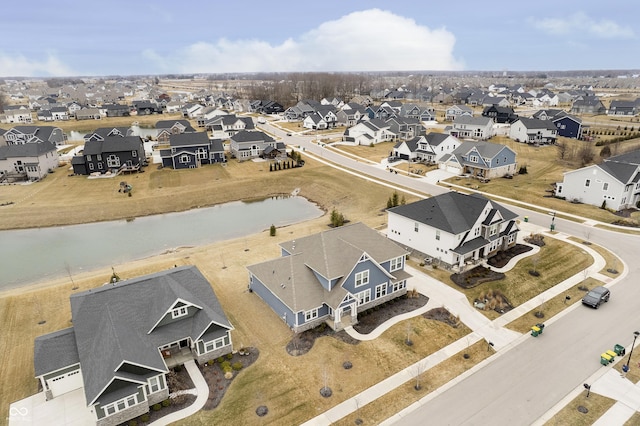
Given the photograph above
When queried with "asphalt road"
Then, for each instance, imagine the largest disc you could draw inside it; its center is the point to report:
(528, 380)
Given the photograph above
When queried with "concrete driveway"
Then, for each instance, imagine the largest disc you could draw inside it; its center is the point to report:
(69, 409)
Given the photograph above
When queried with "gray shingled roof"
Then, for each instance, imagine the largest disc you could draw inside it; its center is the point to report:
(112, 144)
(436, 139)
(451, 212)
(113, 323)
(623, 172)
(332, 254)
(54, 351)
(189, 139)
(33, 150)
(535, 123)
(476, 121)
(632, 157)
(485, 149)
(246, 136)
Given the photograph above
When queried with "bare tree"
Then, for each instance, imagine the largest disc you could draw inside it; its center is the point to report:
(418, 369)
(563, 147)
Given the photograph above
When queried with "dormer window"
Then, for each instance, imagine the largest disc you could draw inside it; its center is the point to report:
(179, 312)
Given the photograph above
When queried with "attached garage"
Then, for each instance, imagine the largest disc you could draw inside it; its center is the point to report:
(65, 382)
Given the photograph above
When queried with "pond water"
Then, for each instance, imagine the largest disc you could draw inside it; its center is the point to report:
(31, 255)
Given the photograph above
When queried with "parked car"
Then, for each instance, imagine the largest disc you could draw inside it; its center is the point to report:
(596, 297)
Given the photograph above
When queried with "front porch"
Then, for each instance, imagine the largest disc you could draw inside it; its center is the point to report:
(177, 356)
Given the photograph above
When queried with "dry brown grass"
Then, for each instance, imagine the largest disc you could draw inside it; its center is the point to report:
(60, 199)
(634, 420)
(520, 286)
(569, 415)
(373, 153)
(430, 380)
(550, 308)
(611, 260)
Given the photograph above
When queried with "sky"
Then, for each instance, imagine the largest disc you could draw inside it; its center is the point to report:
(43, 38)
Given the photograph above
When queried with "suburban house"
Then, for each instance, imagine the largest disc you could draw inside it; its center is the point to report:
(301, 110)
(484, 160)
(191, 150)
(588, 105)
(368, 132)
(480, 128)
(146, 107)
(88, 114)
(29, 161)
(34, 134)
(404, 127)
(456, 111)
(500, 114)
(533, 131)
(245, 145)
(166, 128)
(114, 154)
(225, 126)
(17, 114)
(614, 183)
(125, 337)
(628, 108)
(116, 110)
(453, 228)
(351, 114)
(568, 126)
(330, 277)
(429, 148)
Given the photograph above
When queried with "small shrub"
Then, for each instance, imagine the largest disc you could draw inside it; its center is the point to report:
(177, 368)
(166, 403)
(132, 423)
(144, 417)
(220, 360)
(226, 366)
(237, 366)
(156, 407)
(272, 231)
(229, 355)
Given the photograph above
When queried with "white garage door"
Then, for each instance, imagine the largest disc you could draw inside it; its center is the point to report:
(65, 383)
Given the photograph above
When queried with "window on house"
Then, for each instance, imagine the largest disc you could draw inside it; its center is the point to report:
(134, 153)
(362, 278)
(184, 159)
(91, 166)
(416, 226)
(179, 312)
(399, 286)
(364, 297)
(154, 384)
(214, 344)
(99, 157)
(88, 158)
(587, 182)
(312, 314)
(437, 234)
(395, 264)
(605, 186)
(381, 290)
(113, 161)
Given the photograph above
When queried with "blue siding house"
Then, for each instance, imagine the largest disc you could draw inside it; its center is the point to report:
(330, 277)
(568, 126)
(191, 150)
(481, 159)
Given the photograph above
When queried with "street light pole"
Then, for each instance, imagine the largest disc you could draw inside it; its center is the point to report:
(635, 336)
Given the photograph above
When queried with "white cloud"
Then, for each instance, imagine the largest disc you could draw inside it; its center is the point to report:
(370, 40)
(581, 23)
(25, 67)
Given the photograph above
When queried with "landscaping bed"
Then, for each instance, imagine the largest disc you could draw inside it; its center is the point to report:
(368, 321)
(219, 380)
(476, 276)
(502, 258)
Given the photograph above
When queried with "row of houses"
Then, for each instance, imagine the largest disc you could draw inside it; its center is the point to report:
(127, 335)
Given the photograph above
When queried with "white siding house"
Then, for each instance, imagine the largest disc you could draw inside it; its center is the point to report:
(453, 228)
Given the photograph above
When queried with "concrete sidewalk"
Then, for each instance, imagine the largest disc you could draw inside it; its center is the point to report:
(202, 392)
